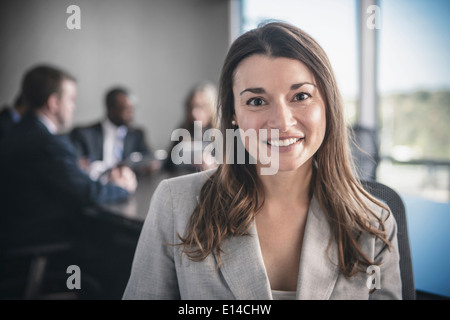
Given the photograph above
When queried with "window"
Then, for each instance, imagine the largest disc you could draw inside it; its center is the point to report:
(414, 91)
(413, 80)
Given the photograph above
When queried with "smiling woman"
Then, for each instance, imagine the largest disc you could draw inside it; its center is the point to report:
(308, 231)
(280, 93)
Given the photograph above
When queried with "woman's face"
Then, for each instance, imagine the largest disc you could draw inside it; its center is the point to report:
(280, 93)
(201, 108)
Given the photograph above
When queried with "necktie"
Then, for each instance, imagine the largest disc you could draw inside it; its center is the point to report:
(118, 143)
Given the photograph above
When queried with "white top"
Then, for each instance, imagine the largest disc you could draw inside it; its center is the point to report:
(283, 295)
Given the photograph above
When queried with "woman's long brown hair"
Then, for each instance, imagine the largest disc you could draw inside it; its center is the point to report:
(233, 195)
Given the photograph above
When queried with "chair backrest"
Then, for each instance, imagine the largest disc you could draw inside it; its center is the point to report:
(22, 282)
(364, 149)
(395, 203)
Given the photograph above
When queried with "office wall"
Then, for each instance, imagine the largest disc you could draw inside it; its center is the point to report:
(157, 48)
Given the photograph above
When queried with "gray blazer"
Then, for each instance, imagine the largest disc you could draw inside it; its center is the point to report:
(161, 271)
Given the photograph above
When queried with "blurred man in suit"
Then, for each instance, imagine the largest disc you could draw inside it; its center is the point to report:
(42, 187)
(11, 116)
(111, 142)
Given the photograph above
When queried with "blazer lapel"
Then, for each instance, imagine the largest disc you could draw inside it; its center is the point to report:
(317, 274)
(244, 271)
(243, 267)
(127, 144)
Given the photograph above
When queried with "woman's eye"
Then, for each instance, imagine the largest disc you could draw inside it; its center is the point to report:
(302, 96)
(256, 102)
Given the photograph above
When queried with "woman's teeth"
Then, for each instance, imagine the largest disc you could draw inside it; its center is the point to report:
(283, 143)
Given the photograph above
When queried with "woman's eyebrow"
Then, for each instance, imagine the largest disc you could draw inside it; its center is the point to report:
(295, 86)
(253, 90)
(298, 85)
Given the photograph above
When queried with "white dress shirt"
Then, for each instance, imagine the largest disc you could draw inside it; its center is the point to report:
(51, 127)
(113, 143)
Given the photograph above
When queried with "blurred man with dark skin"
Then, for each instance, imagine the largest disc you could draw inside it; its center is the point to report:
(120, 110)
(112, 142)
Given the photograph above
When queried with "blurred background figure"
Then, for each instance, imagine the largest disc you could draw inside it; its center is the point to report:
(200, 108)
(113, 142)
(43, 189)
(9, 116)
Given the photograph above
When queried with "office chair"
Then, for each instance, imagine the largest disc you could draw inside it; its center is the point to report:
(31, 263)
(364, 150)
(35, 280)
(395, 203)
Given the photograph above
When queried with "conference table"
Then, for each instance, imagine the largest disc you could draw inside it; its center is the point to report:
(131, 213)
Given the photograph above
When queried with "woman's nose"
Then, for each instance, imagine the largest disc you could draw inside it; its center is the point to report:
(282, 117)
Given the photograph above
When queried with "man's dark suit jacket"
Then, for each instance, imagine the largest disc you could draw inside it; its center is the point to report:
(6, 122)
(42, 187)
(88, 142)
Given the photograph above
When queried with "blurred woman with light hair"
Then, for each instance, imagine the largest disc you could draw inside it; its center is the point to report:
(200, 116)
